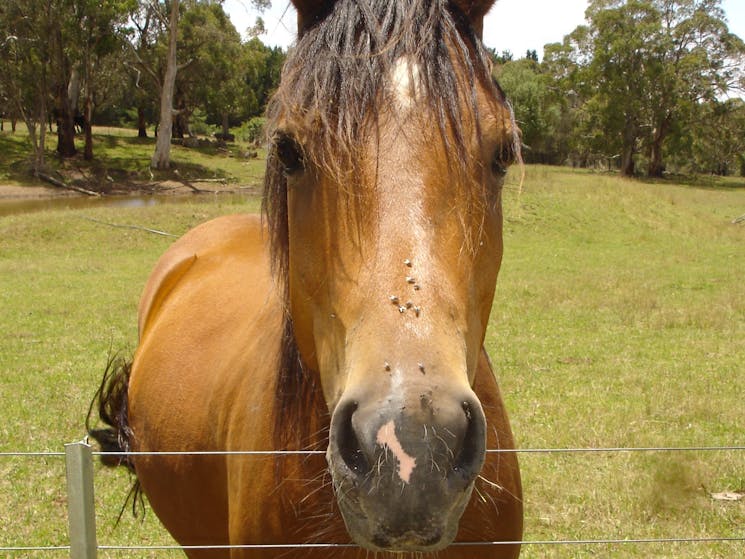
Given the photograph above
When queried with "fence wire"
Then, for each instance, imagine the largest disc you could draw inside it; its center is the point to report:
(576, 542)
(583, 542)
(571, 450)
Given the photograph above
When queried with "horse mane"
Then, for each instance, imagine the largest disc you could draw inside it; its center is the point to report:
(333, 89)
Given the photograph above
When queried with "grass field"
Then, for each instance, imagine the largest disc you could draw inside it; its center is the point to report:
(120, 158)
(619, 321)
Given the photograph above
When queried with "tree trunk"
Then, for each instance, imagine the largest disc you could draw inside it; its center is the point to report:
(628, 150)
(141, 123)
(181, 117)
(88, 126)
(40, 162)
(73, 90)
(162, 156)
(38, 144)
(225, 126)
(627, 162)
(65, 114)
(656, 167)
(38, 154)
(65, 126)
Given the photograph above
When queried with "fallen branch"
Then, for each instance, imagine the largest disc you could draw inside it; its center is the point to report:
(198, 190)
(60, 184)
(125, 226)
(195, 189)
(739, 219)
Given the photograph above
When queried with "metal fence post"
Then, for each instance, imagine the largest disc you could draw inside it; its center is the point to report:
(81, 513)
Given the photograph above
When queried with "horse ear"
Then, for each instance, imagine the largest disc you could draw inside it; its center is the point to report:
(309, 12)
(475, 10)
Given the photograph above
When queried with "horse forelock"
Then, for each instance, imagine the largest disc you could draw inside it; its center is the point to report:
(336, 86)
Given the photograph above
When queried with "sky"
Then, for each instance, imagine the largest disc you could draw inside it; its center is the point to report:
(514, 25)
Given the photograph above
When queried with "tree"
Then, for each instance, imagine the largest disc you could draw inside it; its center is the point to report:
(622, 71)
(146, 77)
(638, 73)
(527, 89)
(213, 81)
(565, 64)
(717, 140)
(25, 66)
(697, 60)
(50, 55)
(100, 34)
(162, 155)
(209, 44)
(653, 62)
(261, 67)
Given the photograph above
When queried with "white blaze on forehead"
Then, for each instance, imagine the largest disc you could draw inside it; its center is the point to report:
(405, 82)
(387, 438)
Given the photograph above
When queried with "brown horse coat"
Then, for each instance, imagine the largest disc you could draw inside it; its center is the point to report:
(210, 316)
(350, 321)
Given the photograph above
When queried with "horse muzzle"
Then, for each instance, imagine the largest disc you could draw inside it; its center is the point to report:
(403, 466)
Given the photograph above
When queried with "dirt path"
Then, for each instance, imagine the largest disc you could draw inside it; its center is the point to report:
(14, 192)
(175, 188)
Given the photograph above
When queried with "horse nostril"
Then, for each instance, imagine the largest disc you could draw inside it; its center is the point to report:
(347, 442)
(470, 459)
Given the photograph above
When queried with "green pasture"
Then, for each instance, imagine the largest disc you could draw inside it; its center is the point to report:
(619, 321)
(120, 158)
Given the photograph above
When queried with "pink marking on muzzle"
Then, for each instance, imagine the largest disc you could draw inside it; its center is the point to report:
(387, 438)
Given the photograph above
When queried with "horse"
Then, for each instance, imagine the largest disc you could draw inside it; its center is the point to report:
(342, 330)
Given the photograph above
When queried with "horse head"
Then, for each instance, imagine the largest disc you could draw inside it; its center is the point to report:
(390, 143)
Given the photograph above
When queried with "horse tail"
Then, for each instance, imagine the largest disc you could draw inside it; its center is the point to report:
(111, 401)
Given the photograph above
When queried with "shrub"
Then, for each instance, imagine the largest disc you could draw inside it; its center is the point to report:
(253, 130)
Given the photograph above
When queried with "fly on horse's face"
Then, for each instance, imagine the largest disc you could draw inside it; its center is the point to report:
(394, 250)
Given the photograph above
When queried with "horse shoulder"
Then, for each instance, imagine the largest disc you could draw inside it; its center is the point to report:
(209, 317)
(203, 373)
(218, 235)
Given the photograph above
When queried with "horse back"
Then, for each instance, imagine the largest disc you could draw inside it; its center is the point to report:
(203, 375)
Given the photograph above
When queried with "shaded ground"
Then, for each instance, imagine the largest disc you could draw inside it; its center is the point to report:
(12, 192)
(121, 167)
(169, 187)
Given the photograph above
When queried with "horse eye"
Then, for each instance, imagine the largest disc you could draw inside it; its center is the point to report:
(503, 158)
(289, 153)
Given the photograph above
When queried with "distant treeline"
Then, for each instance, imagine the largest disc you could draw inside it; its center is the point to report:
(646, 86)
(65, 64)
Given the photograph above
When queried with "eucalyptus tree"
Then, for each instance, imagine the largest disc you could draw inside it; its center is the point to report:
(578, 138)
(25, 68)
(697, 61)
(99, 34)
(641, 70)
(215, 49)
(622, 72)
(260, 70)
(716, 143)
(80, 33)
(527, 89)
(162, 155)
(212, 80)
(51, 50)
